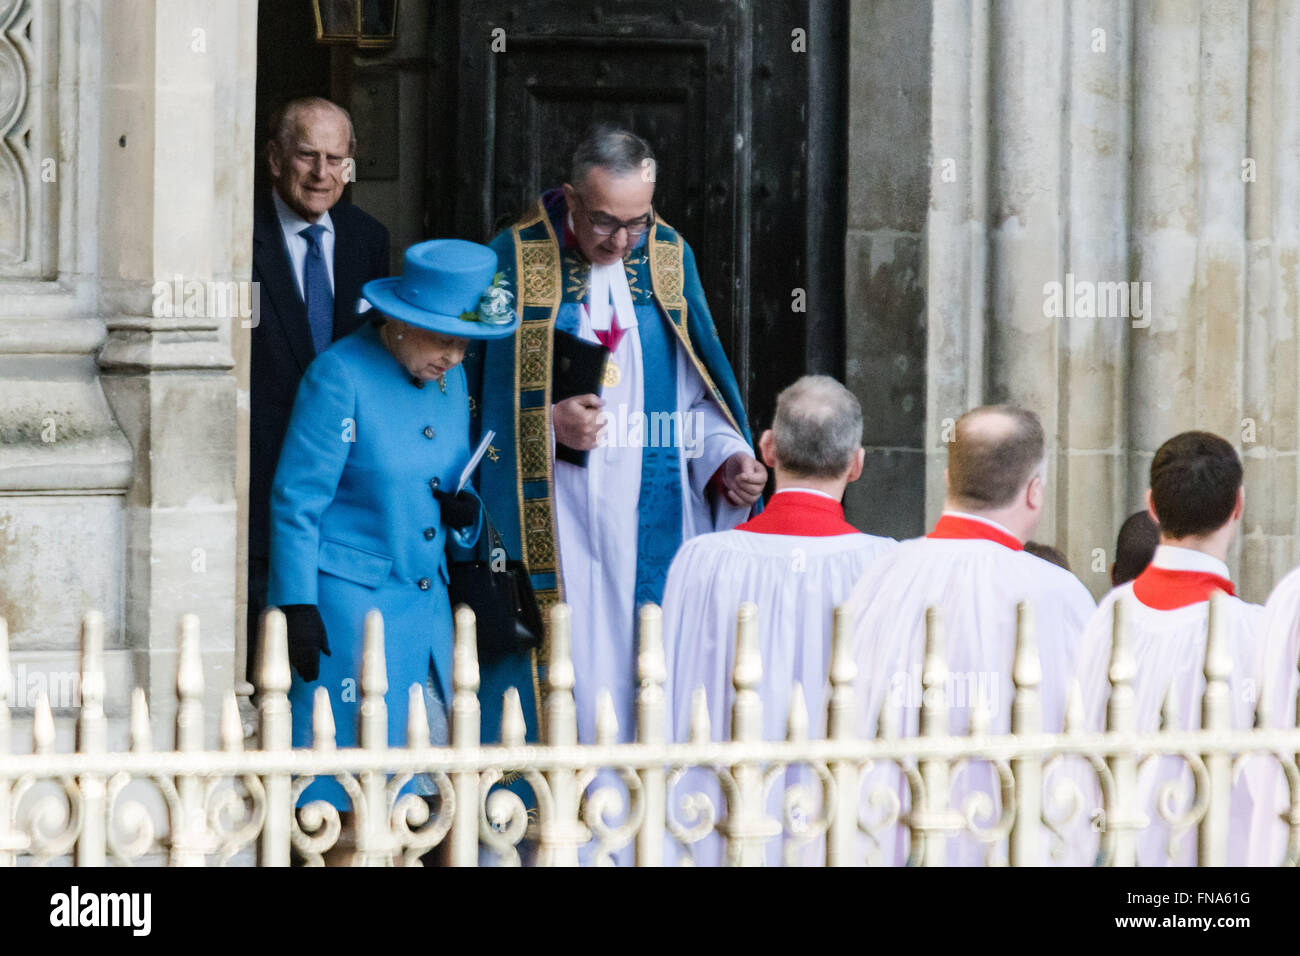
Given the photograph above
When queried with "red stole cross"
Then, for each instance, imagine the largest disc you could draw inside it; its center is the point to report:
(611, 337)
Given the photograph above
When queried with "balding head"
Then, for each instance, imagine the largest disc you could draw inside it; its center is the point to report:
(292, 119)
(995, 452)
(816, 436)
(817, 429)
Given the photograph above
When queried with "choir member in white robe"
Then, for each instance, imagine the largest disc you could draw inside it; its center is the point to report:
(1280, 650)
(1279, 644)
(796, 561)
(972, 567)
(1196, 497)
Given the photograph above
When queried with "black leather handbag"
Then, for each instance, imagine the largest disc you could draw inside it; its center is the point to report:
(497, 588)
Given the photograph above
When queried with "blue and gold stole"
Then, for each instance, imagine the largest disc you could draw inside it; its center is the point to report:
(517, 480)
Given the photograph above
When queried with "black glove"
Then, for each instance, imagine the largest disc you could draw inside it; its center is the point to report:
(459, 510)
(306, 639)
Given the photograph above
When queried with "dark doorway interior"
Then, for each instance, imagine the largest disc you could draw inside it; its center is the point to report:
(290, 63)
(745, 105)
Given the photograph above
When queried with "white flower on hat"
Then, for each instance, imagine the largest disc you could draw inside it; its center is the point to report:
(494, 307)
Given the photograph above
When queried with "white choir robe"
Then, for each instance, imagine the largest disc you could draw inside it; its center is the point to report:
(596, 514)
(1168, 645)
(1280, 650)
(1279, 643)
(977, 583)
(796, 580)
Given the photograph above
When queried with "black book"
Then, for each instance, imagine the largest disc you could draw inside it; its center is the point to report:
(577, 368)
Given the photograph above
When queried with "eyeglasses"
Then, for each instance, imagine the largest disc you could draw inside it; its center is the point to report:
(603, 225)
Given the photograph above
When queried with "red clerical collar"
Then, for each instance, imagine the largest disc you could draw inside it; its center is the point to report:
(957, 527)
(1164, 589)
(801, 514)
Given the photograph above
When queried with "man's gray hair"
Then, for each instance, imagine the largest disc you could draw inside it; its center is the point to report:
(284, 122)
(614, 149)
(817, 428)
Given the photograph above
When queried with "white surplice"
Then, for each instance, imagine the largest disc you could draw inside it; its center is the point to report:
(1279, 643)
(597, 508)
(796, 582)
(977, 585)
(1280, 648)
(1169, 650)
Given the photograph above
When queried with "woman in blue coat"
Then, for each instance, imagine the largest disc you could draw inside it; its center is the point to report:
(365, 491)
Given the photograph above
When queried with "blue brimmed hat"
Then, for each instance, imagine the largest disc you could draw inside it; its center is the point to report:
(449, 286)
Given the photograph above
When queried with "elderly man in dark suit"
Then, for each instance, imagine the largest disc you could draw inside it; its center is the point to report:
(311, 256)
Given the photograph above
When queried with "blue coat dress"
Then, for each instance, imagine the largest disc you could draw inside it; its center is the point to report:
(355, 526)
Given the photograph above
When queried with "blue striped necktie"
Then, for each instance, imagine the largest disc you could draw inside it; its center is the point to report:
(316, 289)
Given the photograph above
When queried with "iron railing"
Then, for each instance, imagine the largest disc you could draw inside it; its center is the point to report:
(198, 806)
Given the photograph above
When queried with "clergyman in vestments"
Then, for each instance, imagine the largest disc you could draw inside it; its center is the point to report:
(658, 453)
(796, 561)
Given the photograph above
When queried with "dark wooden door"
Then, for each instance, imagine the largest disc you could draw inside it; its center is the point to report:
(723, 96)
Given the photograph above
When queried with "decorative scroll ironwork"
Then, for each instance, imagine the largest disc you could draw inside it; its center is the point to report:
(847, 799)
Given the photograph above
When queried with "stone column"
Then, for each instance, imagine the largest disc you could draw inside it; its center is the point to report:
(884, 293)
(956, 247)
(1271, 365)
(1099, 143)
(1089, 491)
(174, 242)
(1164, 221)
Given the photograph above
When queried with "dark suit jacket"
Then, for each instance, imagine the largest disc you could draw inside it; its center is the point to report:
(282, 346)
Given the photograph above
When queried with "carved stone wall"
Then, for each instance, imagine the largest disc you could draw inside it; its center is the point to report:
(1110, 238)
(125, 159)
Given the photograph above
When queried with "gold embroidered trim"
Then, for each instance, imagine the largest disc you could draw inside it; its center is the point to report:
(633, 283)
(534, 440)
(534, 355)
(539, 528)
(667, 274)
(537, 686)
(533, 216)
(537, 517)
(540, 274)
(546, 599)
(577, 278)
